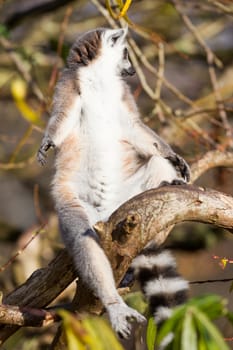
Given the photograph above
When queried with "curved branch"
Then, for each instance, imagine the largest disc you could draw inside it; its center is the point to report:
(127, 231)
(150, 213)
(211, 159)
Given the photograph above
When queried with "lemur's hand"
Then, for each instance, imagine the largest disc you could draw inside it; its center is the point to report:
(180, 164)
(121, 317)
(46, 144)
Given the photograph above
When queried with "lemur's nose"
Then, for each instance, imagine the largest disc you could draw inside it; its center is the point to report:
(131, 70)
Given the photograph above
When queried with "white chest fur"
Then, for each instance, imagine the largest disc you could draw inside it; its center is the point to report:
(101, 132)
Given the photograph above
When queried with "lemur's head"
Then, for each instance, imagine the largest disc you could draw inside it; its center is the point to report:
(107, 47)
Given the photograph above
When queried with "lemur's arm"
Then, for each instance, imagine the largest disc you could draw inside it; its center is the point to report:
(147, 143)
(65, 112)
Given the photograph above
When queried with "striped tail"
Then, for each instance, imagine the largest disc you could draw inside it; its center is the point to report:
(163, 287)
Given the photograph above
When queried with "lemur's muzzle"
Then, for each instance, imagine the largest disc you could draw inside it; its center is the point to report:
(128, 71)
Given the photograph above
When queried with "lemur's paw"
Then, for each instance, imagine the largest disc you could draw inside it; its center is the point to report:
(41, 157)
(176, 182)
(42, 152)
(181, 165)
(120, 317)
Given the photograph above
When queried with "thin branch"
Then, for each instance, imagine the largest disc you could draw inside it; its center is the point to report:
(227, 10)
(153, 70)
(21, 143)
(211, 281)
(18, 165)
(19, 252)
(104, 12)
(63, 28)
(211, 160)
(26, 316)
(161, 58)
(218, 97)
(196, 34)
(211, 60)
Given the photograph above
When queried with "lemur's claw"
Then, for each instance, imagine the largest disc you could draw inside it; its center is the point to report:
(120, 317)
(42, 152)
(41, 157)
(181, 165)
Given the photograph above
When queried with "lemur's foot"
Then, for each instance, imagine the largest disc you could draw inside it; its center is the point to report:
(181, 165)
(42, 152)
(176, 182)
(120, 316)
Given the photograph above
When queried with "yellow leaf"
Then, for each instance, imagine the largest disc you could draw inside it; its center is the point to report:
(18, 89)
(73, 342)
(19, 92)
(223, 262)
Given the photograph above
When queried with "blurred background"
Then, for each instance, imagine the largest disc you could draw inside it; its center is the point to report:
(183, 55)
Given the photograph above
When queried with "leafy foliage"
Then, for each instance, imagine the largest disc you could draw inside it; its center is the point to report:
(192, 327)
(90, 333)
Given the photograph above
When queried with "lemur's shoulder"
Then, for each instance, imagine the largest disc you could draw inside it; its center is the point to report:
(67, 86)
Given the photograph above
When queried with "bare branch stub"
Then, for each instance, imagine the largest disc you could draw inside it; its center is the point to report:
(25, 316)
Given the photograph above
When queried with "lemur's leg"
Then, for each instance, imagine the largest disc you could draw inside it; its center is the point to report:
(159, 171)
(91, 262)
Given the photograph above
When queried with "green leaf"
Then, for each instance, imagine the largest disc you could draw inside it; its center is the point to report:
(100, 330)
(170, 325)
(189, 334)
(213, 305)
(209, 331)
(151, 334)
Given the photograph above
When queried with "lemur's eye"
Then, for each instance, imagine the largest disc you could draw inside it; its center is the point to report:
(125, 53)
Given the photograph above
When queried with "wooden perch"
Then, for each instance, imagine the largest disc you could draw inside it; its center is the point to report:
(127, 231)
(143, 218)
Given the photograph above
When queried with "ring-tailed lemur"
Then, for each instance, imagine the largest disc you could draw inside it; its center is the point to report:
(104, 156)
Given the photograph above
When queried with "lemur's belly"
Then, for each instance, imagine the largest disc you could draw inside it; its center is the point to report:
(100, 178)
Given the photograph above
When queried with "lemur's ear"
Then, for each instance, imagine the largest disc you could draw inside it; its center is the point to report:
(116, 36)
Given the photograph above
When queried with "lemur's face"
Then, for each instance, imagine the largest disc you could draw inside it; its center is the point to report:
(105, 48)
(114, 51)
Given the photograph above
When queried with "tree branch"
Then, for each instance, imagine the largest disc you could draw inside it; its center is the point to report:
(127, 231)
(145, 217)
(25, 316)
(211, 159)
